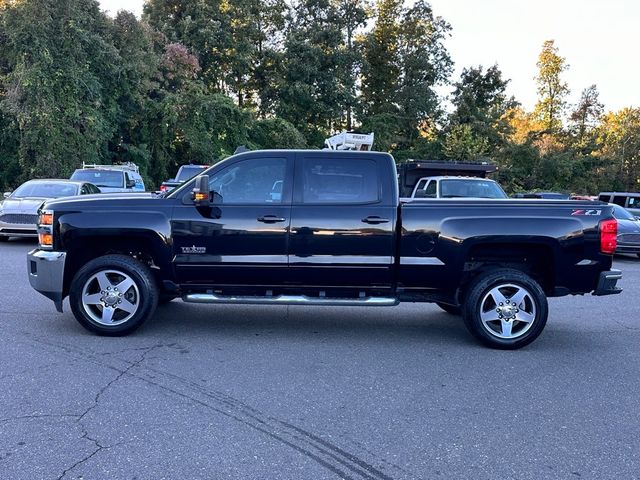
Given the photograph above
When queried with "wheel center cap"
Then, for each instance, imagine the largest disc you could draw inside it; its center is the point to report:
(508, 311)
(111, 299)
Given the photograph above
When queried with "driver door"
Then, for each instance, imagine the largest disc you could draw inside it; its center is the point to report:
(242, 238)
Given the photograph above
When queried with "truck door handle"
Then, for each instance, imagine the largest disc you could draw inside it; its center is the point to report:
(270, 219)
(374, 220)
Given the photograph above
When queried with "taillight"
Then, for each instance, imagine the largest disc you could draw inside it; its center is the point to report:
(608, 236)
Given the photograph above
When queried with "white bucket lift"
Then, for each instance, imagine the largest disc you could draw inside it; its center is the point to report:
(350, 141)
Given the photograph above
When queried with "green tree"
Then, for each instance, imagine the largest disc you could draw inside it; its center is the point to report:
(462, 144)
(404, 60)
(312, 93)
(552, 90)
(63, 66)
(480, 101)
(381, 66)
(275, 133)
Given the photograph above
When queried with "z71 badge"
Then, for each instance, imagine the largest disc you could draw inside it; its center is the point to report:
(194, 249)
(591, 211)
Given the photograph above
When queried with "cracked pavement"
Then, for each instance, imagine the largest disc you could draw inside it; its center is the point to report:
(215, 392)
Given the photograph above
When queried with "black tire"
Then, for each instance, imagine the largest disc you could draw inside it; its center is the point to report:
(452, 309)
(515, 325)
(638, 255)
(113, 269)
(3, 238)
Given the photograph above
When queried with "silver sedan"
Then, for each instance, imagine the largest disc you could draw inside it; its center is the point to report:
(19, 209)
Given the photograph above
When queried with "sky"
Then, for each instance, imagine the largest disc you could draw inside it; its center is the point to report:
(599, 40)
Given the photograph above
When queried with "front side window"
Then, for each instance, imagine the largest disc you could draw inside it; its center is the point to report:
(633, 202)
(339, 180)
(252, 181)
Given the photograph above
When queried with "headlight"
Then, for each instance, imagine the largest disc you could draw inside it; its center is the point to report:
(45, 218)
(45, 240)
(45, 229)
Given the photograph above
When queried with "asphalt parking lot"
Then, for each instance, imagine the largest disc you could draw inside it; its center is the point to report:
(215, 392)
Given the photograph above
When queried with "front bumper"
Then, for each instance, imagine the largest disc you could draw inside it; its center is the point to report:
(607, 283)
(46, 274)
(17, 230)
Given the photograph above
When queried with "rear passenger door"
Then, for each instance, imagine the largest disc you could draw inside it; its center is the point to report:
(342, 221)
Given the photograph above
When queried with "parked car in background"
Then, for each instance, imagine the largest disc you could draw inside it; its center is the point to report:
(111, 178)
(457, 187)
(185, 172)
(19, 209)
(584, 197)
(628, 200)
(628, 231)
(543, 195)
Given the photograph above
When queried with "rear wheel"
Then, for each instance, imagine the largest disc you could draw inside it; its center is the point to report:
(452, 309)
(113, 295)
(505, 309)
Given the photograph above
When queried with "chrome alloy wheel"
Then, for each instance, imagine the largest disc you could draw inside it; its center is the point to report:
(507, 311)
(110, 297)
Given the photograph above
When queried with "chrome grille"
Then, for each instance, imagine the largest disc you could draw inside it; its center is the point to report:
(19, 218)
(629, 238)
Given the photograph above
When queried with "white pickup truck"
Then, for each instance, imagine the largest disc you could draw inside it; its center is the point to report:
(457, 187)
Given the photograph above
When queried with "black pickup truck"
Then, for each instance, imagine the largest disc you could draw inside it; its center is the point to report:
(320, 228)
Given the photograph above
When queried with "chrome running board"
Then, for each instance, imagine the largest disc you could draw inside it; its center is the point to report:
(290, 300)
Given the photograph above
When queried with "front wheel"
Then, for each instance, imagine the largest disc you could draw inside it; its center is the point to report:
(113, 295)
(505, 309)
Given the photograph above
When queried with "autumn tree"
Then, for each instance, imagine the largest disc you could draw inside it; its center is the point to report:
(552, 90)
(587, 112)
(619, 135)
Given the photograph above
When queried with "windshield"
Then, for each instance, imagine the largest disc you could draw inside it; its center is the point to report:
(45, 190)
(471, 188)
(189, 171)
(622, 214)
(100, 178)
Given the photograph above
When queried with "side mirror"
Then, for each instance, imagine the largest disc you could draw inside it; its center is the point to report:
(131, 183)
(7, 194)
(201, 196)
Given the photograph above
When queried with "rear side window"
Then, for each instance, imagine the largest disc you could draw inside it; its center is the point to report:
(340, 180)
(634, 202)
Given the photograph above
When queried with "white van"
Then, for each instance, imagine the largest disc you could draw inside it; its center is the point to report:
(628, 200)
(111, 178)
